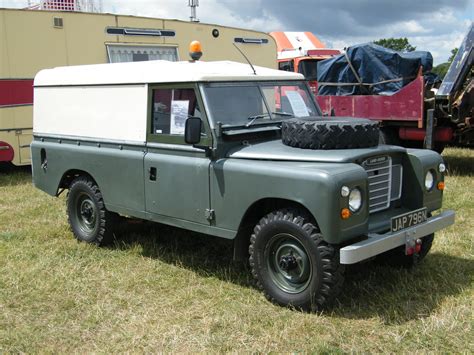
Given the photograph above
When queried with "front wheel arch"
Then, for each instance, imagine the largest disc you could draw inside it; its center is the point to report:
(254, 213)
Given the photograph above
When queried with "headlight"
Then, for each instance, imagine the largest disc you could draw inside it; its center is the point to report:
(345, 191)
(355, 200)
(441, 167)
(429, 180)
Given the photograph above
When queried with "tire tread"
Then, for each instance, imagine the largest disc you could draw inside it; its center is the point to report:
(332, 271)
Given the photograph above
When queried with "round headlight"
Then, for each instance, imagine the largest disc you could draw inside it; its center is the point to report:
(355, 200)
(429, 180)
(345, 191)
(441, 167)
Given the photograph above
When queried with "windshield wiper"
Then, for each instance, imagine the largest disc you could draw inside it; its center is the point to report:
(253, 118)
(282, 113)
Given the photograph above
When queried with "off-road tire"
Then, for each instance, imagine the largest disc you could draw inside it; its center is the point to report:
(88, 218)
(397, 258)
(325, 275)
(330, 133)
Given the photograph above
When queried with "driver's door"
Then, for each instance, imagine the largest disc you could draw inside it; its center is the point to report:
(176, 174)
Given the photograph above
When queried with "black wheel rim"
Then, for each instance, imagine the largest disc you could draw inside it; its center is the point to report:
(86, 213)
(288, 262)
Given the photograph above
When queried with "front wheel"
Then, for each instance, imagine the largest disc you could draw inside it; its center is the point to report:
(292, 263)
(89, 220)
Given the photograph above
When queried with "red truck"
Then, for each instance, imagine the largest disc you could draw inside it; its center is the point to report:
(415, 115)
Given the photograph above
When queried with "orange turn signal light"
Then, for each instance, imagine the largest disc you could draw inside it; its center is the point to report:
(441, 185)
(195, 50)
(345, 213)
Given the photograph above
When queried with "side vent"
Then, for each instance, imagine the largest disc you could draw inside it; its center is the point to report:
(58, 22)
(251, 40)
(139, 32)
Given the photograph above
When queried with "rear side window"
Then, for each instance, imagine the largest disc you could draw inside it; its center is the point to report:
(171, 108)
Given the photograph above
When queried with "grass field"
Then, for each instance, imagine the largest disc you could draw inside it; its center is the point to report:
(162, 289)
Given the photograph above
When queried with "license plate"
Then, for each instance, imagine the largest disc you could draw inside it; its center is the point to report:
(409, 219)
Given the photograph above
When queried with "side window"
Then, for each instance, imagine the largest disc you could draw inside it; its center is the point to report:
(170, 109)
(286, 66)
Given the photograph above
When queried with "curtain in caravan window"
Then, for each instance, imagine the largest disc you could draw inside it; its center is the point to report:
(120, 54)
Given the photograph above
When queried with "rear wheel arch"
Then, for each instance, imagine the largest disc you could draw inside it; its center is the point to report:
(69, 176)
(89, 219)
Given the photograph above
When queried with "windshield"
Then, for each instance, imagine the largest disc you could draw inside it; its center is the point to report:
(253, 103)
(309, 68)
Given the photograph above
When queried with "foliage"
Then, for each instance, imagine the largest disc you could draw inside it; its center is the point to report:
(397, 44)
(454, 51)
(442, 69)
(160, 289)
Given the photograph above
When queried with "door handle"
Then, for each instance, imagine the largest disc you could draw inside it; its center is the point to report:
(152, 172)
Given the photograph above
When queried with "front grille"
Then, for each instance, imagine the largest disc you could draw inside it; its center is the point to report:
(379, 171)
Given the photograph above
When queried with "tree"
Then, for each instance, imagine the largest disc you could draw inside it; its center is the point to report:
(397, 44)
(454, 51)
(442, 69)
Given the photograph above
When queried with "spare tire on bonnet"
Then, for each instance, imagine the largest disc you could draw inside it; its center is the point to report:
(330, 133)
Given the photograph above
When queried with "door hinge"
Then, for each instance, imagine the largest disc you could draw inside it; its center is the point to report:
(210, 214)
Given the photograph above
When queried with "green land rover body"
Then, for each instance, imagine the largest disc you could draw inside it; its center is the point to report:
(215, 148)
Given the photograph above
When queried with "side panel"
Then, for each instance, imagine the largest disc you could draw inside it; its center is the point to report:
(117, 169)
(92, 112)
(236, 184)
(85, 37)
(405, 105)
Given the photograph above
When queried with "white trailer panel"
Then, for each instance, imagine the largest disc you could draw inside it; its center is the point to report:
(106, 113)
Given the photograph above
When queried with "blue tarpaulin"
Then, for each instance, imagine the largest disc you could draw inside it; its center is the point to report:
(378, 70)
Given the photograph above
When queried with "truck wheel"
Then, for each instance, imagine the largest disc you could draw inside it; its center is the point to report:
(397, 258)
(330, 133)
(292, 263)
(89, 220)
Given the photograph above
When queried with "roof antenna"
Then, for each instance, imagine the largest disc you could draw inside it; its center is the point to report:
(248, 61)
(193, 4)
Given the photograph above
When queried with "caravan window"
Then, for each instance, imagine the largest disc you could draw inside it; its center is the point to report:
(123, 53)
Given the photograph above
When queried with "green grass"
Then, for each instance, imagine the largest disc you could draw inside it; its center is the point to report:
(163, 289)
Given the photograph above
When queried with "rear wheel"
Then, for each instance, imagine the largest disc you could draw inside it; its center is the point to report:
(89, 220)
(292, 263)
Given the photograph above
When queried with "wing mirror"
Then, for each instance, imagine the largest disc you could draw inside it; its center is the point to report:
(192, 130)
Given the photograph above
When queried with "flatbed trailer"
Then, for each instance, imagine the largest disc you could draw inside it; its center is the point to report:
(413, 116)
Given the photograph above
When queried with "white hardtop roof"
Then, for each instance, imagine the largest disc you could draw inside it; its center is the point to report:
(158, 71)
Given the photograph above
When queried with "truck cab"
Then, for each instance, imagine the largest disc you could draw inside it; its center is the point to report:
(300, 52)
(237, 152)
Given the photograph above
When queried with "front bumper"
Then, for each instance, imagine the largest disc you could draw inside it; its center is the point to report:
(378, 243)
